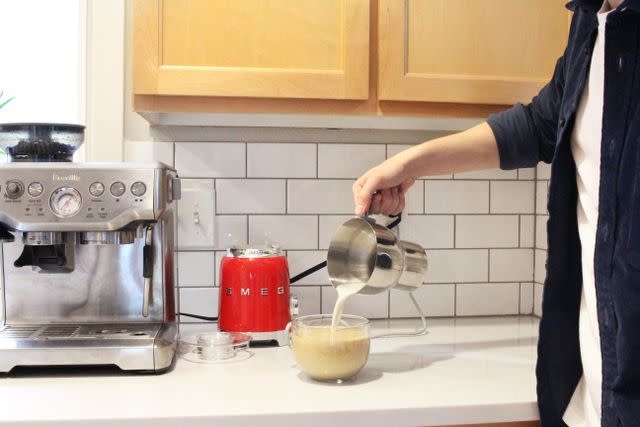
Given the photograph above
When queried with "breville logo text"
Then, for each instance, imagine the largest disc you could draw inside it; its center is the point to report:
(70, 177)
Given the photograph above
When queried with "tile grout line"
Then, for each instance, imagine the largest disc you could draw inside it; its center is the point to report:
(455, 300)
(488, 265)
(455, 223)
(317, 160)
(424, 197)
(520, 298)
(519, 231)
(286, 196)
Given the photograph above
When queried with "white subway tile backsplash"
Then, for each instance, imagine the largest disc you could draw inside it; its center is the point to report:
(196, 269)
(211, 160)
(482, 299)
(414, 198)
(146, 152)
(544, 171)
(286, 231)
(510, 265)
(281, 160)
(487, 231)
(200, 301)
(456, 197)
(370, 306)
(526, 298)
(479, 228)
(320, 197)
(527, 173)
(429, 231)
(348, 160)
(308, 299)
(230, 230)
(541, 197)
(251, 196)
(537, 299)
(219, 256)
(541, 231)
(488, 174)
(540, 266)
(457, 266)
(328, 226)
(527, 234)
(434, 301)
(300, 261)
(512, 197)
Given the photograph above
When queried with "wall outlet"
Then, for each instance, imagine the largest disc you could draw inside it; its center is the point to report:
(196, 213)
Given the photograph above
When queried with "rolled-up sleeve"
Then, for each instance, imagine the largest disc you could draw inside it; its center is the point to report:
(526, 134)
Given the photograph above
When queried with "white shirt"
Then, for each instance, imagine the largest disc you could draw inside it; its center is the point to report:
(585, 407)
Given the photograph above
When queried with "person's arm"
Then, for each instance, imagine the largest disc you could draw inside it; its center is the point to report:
(519, 137)
(473, 149)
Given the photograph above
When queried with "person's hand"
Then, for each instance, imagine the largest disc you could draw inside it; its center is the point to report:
(382, 189)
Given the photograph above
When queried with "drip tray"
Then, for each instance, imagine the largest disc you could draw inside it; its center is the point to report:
(78, 332)
(141, 346)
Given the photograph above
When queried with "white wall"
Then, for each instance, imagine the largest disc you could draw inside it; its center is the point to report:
(42, 60)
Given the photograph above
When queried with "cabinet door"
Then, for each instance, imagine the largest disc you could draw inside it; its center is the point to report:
(469, 51)
(252, 48)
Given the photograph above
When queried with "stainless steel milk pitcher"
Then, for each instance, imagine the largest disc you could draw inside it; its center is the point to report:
(369, 254)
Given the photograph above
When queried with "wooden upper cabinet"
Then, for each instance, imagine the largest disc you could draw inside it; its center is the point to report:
(468, 51)
(252, 48)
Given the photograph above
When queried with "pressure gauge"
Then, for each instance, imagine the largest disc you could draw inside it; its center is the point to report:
(65, 202)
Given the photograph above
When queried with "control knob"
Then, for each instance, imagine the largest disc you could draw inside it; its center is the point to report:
(14, 188)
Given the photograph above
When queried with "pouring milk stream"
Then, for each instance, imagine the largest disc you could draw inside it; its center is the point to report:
(366, 257)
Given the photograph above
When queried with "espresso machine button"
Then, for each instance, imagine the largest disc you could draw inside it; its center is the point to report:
(117, 189)
(14, 189)
(35, 189)
(138, 189)
(96, 189)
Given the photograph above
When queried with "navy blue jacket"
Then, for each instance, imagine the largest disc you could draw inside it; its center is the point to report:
(541, 131)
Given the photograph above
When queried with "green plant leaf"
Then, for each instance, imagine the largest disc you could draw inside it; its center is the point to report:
(6, 102)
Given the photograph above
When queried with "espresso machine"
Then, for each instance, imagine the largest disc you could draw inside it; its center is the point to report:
(87, 256)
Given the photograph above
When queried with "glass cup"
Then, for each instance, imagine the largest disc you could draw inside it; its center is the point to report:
(326, 356)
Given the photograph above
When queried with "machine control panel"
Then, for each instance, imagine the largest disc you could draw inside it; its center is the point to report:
(81, 196)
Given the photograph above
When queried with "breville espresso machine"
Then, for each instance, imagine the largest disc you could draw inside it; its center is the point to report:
(87, 256)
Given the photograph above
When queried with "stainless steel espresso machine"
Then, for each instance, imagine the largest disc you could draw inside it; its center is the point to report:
(87, 256)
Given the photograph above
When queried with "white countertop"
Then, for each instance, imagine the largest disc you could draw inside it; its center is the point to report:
(464, 371)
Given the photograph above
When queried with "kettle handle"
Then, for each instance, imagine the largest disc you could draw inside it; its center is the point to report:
(397, 219)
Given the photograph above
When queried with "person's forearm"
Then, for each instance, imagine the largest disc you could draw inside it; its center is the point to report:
(473, 149)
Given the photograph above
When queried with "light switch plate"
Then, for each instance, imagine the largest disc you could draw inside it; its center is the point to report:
(196, 212)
